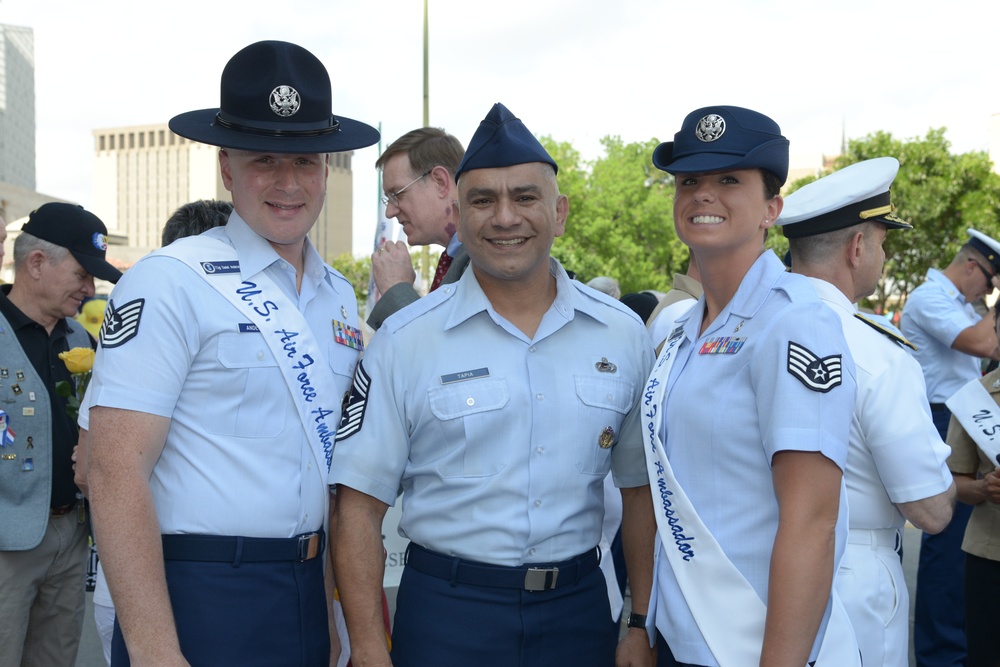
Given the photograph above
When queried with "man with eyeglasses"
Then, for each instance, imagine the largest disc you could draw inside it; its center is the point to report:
(418, 177)
(951, 339)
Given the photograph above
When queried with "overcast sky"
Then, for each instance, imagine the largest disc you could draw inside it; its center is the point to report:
(577, 70)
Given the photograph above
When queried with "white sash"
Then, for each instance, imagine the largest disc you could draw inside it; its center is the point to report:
(725, 606)
(979, 415)
(301, 360)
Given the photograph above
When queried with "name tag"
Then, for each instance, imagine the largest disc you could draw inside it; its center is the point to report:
(248, 327)
(465, 375)
(220, 267)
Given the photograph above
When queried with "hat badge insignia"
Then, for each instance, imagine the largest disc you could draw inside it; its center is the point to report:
(285, 101)
(100, 241)
(710, 128)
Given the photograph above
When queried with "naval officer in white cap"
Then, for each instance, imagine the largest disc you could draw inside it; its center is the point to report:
(896, 462)
(951, 340)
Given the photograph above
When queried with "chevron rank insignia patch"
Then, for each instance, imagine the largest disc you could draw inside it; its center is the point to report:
(121, 324)
(354, 414)
(815, 373)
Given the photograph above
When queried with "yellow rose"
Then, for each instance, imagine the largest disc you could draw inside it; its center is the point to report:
(78, 360)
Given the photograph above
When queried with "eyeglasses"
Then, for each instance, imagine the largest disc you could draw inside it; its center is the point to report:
(989, 276)
(393, 197)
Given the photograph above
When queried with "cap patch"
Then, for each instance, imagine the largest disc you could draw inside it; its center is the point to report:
(100, 241)
(285, 101)
(815, 373)
(710, 128)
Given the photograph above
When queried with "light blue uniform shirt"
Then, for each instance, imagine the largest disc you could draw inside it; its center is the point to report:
(934, 314)
(236, 459)
(495, 438)
(727, 415)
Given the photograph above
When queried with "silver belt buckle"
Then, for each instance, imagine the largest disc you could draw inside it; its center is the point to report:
(308, 546)
(540, 578)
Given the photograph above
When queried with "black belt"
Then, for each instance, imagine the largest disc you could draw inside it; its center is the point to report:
(938, 407)
(225, 549)
(535, 577)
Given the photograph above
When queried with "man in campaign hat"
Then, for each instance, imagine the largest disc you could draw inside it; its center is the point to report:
(43, 525)
(896, 465)
(208, 469)
(495, 403)
(951, 340)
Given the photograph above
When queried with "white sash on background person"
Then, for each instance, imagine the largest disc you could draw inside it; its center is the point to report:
(725, 606)
(301, 360)
(979, 415)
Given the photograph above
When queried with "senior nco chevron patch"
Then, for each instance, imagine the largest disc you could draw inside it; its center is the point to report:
(354, 414)
(121, 324)
(815, 373)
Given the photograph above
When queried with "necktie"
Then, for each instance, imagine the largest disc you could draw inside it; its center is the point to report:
(442, 269)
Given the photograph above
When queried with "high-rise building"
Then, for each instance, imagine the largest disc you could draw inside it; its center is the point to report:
(17, 106)
(143, 173)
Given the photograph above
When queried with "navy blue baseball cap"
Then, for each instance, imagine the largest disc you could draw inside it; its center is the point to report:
(725, 137)
(276, 97)
(79, 231)
(502, 140)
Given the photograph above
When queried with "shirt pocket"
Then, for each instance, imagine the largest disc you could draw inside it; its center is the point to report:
(602, 403)
(256, 396)
(471, 426)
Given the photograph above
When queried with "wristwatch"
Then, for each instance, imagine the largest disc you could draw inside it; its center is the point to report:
(635, 620)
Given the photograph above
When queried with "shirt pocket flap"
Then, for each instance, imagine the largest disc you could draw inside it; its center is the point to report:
(468, 398)
(246, 350)
(610, 393)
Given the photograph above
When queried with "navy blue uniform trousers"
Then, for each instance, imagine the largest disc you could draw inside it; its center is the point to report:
(254, 614)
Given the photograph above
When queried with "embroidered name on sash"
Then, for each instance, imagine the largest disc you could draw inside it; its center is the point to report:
(722, 345)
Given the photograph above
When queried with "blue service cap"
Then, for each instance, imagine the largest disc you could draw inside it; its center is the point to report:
(725, 137)
(987, 247)
(855, 194)
(502, 141)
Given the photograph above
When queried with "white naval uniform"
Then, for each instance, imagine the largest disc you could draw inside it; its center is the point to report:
(895, 456)
(236, 459)
(495, 437)
(728, 414)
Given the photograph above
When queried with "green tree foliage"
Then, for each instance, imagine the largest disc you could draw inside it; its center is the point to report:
(940, 194)
(620, 220)
(358, 271)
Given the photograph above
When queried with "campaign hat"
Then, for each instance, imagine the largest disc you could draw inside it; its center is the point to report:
(850, 196)
(275, 97)
(724, 137)
(79, 231)
(502, 140)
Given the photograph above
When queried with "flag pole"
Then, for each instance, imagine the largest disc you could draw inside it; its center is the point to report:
(425, 255)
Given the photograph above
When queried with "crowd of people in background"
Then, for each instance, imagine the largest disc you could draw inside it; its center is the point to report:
(739, 455)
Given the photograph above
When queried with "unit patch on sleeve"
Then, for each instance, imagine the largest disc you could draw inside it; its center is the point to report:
(354, 414)
(121, 324)
(817, 374)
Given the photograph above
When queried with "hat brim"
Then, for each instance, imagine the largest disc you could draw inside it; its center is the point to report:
(97, 267)
(200, 126)
(770, 156)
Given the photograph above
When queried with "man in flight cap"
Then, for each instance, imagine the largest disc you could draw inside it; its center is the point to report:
(43, 526)
(896, 464)
(209, 465)
(495, 403)
(951, 340)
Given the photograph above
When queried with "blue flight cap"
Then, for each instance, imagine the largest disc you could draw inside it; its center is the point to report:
(725, 137)
(502, 141)
(855, 194)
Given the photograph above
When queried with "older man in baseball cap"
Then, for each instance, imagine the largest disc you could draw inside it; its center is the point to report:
(211, 464)
(454, 403)
(43, 531)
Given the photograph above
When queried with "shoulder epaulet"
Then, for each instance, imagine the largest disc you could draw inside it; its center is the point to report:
(889, 333)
